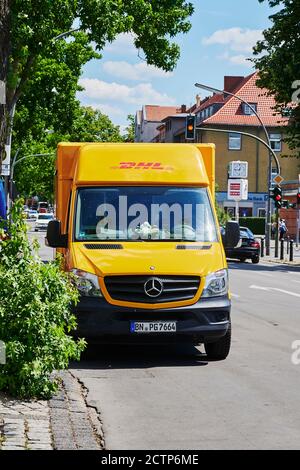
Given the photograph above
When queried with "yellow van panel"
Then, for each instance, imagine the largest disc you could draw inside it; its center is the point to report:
(152, 258)
(140, 164)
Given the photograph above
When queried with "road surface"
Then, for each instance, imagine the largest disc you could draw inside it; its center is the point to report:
(172, 398)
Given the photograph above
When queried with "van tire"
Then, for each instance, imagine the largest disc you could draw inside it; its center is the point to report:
(219, 350)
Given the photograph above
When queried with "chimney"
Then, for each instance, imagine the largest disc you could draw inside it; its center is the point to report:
(198, 101)
(231, 83)
(183, 108)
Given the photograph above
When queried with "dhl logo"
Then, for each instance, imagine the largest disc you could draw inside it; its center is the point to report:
(142, 166)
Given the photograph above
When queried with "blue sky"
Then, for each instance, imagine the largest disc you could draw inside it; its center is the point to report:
(220, 40)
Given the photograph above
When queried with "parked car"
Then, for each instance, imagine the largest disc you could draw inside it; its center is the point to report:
(42, 221)
(249, 247)
(32, 214)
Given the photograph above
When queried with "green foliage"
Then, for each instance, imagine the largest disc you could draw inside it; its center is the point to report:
(255, 224)
(223, 217)
(278, 62)
(35, 318)
(35, 175)
(130, 129)
(38, 63)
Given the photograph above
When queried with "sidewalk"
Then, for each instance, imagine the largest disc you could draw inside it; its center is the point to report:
(63, 423)
(286, 261)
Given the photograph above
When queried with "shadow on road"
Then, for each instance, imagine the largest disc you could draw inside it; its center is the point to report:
(139, 357)
(248, 266)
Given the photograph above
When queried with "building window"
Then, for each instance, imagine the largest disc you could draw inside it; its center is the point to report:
(234, 141)
(168, 125)
(275, 140)
(261, 212)
(248, 111)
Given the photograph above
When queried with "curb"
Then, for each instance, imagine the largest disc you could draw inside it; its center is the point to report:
(65, 422)
(294, 264)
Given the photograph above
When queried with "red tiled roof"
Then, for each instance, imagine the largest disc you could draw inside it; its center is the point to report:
(231, 111)
(157, 113)
(216, 98)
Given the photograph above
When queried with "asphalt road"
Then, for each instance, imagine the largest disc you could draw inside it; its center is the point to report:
(172, 398)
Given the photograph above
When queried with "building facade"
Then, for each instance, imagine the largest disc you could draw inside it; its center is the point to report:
(224, 112)
(149, 118)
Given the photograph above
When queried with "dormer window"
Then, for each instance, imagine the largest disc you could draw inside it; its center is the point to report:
(247, 110)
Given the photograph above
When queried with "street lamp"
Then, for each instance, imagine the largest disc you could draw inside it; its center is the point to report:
(271, 153)
(66, 33)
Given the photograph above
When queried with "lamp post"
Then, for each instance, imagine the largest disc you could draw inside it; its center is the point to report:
(271, 153)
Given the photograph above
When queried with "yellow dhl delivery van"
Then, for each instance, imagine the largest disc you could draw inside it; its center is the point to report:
(136, 225)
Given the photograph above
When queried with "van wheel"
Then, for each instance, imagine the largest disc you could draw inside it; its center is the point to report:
(219, 350)
(255, 260)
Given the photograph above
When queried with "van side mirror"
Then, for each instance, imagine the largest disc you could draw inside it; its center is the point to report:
(232, 234)
(54, 237)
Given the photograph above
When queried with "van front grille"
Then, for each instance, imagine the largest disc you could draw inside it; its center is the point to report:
(152, 289)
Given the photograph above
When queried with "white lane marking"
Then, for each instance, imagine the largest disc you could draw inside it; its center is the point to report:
(294, 272)
(286, 292)
(235, 296)
(259, 287)
(270, 289)
(293, 280)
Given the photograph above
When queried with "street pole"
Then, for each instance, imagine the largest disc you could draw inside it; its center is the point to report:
(237, 211)
(277, 233)
(269, 183)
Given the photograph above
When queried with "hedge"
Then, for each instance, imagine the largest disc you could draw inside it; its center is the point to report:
(255, 224)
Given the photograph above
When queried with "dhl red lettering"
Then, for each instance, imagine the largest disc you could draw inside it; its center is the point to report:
(143, 165)
(157, 166)
(125, 165)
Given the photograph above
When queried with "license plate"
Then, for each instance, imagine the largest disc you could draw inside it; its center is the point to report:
(153, 327)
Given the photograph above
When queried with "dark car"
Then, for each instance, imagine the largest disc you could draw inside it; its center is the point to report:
(249, 247)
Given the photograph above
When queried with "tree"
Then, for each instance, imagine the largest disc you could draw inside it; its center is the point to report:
(32, 26)
(130, 129)
(35, 175)
(4, 55)
(278, 62)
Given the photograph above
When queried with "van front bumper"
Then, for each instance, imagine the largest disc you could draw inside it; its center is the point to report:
(203, 322)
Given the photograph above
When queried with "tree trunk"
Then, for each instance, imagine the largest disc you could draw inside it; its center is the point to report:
(4, 56)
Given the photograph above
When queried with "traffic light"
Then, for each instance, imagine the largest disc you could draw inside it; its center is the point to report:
(277, 197)
(285, 203)
(190, 127)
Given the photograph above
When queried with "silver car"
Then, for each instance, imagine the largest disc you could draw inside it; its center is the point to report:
(42, 221)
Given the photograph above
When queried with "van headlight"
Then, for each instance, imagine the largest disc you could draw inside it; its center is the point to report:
(86, 283)
(216, 284)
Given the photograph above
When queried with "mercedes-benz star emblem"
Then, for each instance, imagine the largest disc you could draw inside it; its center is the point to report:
(153, 287)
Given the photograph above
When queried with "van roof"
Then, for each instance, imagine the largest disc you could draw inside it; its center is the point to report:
(140, 164)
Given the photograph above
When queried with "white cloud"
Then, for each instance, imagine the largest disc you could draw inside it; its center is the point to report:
(107, 109)
(140, 71)
(238, 39)
(140, 94)
(122, 45)
(236, 59)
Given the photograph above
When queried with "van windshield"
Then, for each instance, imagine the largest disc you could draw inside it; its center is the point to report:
(144, 213)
